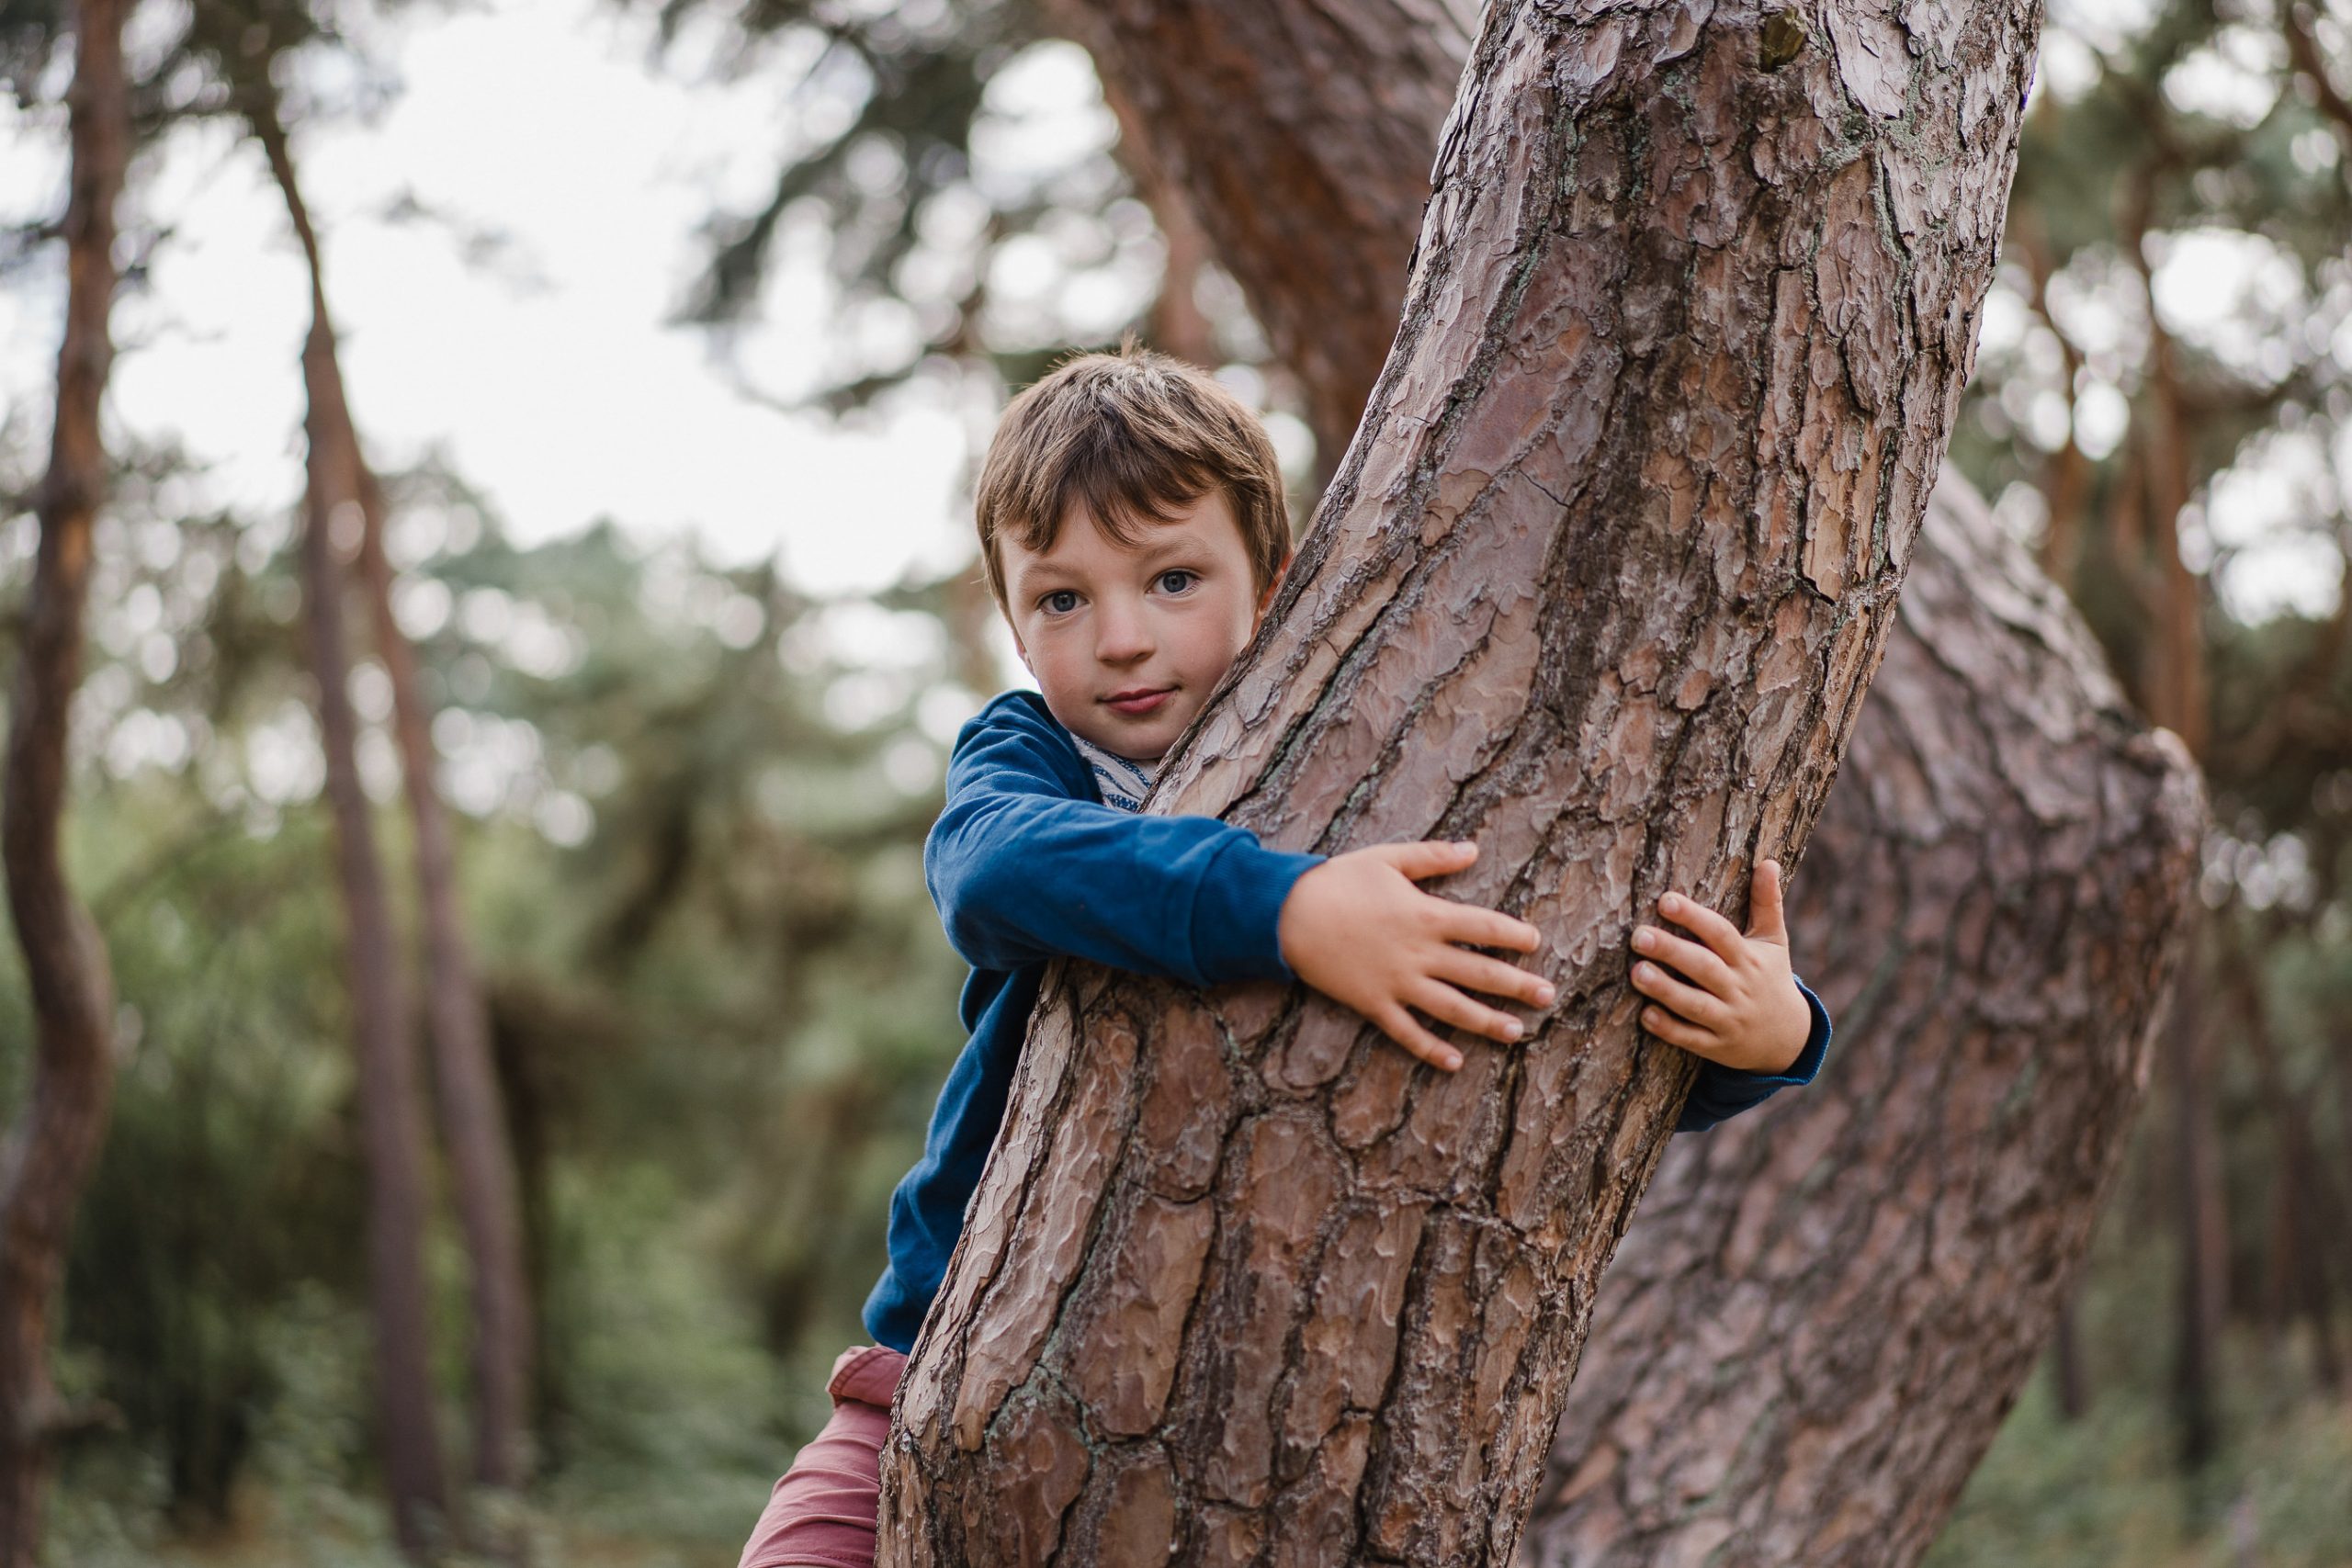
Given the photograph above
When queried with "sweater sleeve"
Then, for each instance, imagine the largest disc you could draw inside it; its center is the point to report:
(1722, 1092)
(1023, 868)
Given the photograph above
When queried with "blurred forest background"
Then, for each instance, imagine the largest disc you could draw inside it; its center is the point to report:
(688, 800)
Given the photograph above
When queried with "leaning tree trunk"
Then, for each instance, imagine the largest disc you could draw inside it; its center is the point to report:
(391, 1115)
(1825, 1309)
(1600, 584)
(1302, 144)
(465, 1079)
(49, 1153)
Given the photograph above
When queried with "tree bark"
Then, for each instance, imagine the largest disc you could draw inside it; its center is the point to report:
(391, 1115)
(49, 1153)
(1989, 674)
(1600, 584)
(1826, 1307)
(465, 1079)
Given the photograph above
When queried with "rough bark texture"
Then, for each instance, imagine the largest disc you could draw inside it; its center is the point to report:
(49, 1153)
(1988, 673)
(465, 1079)
(1824, 1308)
(1600, 583)
(391, 1115)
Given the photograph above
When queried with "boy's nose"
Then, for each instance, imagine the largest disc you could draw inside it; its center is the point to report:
(1121, 636)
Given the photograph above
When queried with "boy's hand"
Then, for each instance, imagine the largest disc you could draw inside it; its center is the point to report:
(1735, 1001)
(1357, 929)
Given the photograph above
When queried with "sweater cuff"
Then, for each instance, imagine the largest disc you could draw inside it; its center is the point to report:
(1724, 1092)
(1237, 912)
(1816, 1047)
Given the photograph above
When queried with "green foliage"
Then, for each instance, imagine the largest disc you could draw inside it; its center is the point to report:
(2104, 1490)
(691, 826)
(230, 1177)
(664, 1375)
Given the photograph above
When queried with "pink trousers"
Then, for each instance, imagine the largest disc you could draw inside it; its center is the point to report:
(821, 1514)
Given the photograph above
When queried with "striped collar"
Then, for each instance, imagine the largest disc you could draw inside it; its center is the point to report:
(1122, 781)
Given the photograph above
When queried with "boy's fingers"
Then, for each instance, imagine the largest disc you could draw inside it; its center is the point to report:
(1430, 857)
(1687, 1002)
(1678, 1032)
(1474, 926)
(1708, 926)
(1476, 972)
(1446, 1005)
(1400, 1026)
(1767, 920)
(1699, 965)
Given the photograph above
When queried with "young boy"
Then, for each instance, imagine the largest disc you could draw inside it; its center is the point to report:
(1131, 519)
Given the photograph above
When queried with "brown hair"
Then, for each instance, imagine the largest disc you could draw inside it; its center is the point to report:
(1130, 437)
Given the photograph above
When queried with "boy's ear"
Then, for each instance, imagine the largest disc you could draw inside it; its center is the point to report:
(1272, 583)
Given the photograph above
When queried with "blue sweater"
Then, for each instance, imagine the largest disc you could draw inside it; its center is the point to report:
(1026, 865)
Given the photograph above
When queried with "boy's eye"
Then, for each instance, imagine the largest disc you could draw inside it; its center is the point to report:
(1178, 581)
(1061, 602)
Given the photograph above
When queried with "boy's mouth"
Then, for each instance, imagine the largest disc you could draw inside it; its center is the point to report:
(1139, 701)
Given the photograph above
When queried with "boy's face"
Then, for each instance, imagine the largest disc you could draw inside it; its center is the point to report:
(1126, 642)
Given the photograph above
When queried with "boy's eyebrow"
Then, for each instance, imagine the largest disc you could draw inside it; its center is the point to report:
(1033, 572)
(1170, 545)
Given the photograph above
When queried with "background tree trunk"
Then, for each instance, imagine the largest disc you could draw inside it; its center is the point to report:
(2308, 1211)
(49, 1153)
(1826, 1307)
(465, 1079)
(1600, 584)
(392, 1116)
(2201, 1268)
(1989, 672)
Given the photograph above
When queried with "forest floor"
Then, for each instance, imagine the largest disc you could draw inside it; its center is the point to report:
(2101, 1491)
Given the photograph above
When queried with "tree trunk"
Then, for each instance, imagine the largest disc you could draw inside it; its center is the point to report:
(1600, 583)
(2173, 680)
(465, 1079)
(1990, 674)
(473, 1112)
(2073, 1377)
(2202, 1266)
(391, 1115)
(1178, 325)
(1297, 134)
(48, 1154)
(1825, 1308)
(2311, 1217)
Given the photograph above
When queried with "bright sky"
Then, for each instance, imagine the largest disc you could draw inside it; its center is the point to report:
(549, 377)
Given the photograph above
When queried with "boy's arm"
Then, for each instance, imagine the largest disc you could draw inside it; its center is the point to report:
(1024, 869)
